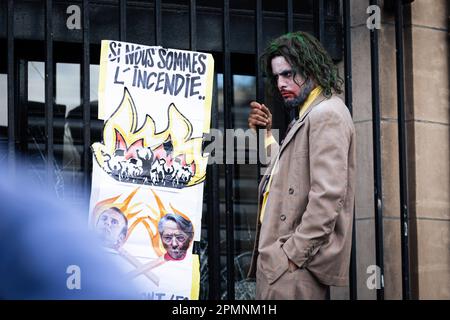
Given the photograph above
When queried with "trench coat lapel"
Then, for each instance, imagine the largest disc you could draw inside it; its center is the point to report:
(299, 123)
(295, 127)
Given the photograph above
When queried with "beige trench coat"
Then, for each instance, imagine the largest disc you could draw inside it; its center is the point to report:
(309, 212)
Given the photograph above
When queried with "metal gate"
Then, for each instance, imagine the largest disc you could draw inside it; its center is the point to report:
(236, 33)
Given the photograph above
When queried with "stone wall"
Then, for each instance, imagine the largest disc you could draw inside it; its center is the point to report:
(428, 135)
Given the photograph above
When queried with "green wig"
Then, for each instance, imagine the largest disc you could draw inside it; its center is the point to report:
(306, 56)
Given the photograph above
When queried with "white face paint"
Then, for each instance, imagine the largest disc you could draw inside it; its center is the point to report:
(293, 88)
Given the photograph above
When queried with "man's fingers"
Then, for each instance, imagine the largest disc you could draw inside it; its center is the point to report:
(259, 118)
(265, 110)
(260, 109)
(255, 105)
(259, 113)
(256, 123)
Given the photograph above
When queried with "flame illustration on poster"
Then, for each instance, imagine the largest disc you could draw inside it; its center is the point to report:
(170, 158)
(149, 168)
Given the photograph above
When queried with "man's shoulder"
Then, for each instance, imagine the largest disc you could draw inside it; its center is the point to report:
(331, 104)
(332, 107)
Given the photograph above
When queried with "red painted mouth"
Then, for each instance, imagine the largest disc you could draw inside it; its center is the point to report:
(287, 94)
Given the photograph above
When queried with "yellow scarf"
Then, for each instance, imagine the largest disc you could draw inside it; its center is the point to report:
(311, 97)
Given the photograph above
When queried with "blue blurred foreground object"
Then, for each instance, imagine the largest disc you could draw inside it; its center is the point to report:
(47, 252)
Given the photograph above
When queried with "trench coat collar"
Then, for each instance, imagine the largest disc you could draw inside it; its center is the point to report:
(299, 123)
(291, 133)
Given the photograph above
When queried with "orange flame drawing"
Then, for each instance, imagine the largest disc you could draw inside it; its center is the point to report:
(121, 129)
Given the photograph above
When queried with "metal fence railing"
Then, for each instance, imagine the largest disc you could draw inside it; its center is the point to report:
(317, 20)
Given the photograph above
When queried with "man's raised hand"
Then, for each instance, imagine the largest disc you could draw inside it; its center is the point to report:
(259, 116)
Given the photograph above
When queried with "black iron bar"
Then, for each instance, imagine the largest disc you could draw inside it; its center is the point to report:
(123, 20)
(289, 16)
(259, 76)
(85, 92)
(192, 25)
(49, 89)
(213, 218)
(158, 22)
(404, 217)
(319, 20)
(11, 94)
(376, 127)
(229, 170)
